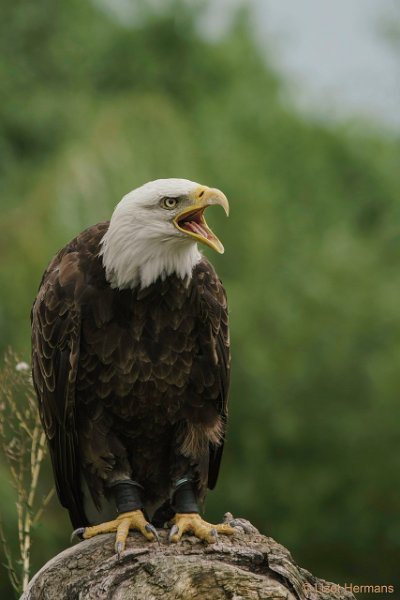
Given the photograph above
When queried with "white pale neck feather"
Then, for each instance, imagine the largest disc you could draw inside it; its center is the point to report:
(137, 253)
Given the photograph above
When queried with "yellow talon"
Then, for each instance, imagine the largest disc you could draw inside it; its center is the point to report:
(121, 526)
(193, 523)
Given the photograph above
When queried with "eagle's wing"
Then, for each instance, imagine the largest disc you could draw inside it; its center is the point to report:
(56, 324)
(215, 313)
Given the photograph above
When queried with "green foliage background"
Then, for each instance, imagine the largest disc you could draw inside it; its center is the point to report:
(90, 108)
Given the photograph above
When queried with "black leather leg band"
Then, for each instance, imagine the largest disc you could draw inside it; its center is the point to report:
(127, 495)
(184, 499)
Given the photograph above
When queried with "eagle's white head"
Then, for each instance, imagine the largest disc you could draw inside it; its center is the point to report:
(154, 232)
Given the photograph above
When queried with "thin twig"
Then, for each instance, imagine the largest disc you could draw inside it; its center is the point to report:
(37, 455)
(24, 446)
(46, 500)
(14, 579)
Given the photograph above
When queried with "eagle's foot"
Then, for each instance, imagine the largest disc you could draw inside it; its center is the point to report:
(242, 525)
(193, 523)
(121, 526)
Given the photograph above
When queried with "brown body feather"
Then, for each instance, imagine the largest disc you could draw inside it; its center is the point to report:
(130, 383)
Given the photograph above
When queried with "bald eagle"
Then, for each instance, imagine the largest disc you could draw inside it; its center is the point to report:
(130, 359)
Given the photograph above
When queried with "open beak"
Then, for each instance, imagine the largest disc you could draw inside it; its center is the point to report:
(192, 222)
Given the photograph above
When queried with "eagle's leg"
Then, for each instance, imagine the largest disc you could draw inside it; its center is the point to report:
(187, 518)
(129, 507)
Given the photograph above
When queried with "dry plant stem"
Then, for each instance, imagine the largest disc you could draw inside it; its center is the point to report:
(14, 579)
(37, 455)
(43, 506)
(24, 446)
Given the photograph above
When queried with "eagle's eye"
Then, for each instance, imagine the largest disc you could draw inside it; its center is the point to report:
(169, 203)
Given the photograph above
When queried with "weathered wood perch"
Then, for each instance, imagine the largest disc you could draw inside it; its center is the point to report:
(246, 566)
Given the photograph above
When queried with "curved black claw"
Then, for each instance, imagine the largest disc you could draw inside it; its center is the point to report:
(119, 546)
(77, 534)
(174, 531)
(151, 529)
(214, 534)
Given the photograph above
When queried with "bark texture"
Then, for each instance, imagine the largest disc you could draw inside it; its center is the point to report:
(246, 566)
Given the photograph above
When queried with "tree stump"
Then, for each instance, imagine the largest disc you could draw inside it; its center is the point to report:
(245, 566)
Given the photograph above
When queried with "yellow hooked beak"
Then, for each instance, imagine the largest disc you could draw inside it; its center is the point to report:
(192, 222)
